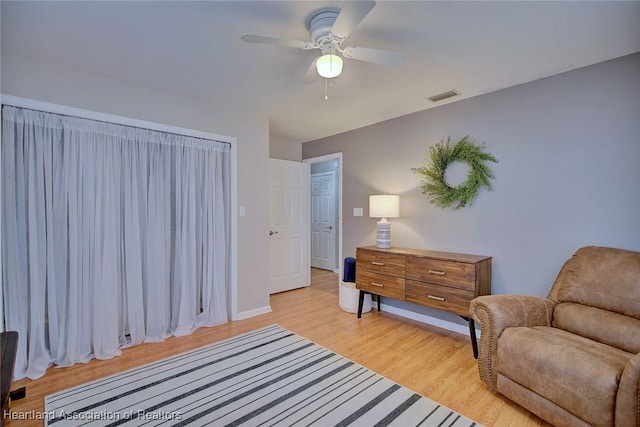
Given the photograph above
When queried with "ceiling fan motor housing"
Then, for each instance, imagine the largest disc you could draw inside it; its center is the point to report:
(320, 26)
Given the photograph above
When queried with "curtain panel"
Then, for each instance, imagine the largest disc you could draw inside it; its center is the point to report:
(112, 236)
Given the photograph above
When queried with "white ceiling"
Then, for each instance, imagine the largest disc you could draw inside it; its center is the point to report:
(193, 50)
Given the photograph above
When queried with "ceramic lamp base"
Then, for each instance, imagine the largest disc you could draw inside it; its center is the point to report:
(383, 234)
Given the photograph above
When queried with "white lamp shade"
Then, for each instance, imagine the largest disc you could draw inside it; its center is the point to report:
(329, 66)
(384, 206)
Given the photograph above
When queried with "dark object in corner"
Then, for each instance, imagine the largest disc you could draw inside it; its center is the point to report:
(8, 349)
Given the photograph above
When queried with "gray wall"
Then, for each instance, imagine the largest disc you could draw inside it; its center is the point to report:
(568, 174)
(284, 149)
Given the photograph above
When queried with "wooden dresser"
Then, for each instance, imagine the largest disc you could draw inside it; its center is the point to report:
(442, 280)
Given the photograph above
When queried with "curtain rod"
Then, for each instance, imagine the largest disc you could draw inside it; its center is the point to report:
(62, 110)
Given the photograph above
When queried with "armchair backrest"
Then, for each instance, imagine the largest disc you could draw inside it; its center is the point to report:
(598, 296)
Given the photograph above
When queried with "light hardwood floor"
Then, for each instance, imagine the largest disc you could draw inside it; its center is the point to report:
(431, 361)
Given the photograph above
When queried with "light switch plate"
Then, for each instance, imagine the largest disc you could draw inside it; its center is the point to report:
(357, 211)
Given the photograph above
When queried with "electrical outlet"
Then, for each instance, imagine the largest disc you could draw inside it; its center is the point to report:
(357, 211)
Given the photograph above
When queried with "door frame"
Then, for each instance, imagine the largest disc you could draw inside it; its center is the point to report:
(320, 159)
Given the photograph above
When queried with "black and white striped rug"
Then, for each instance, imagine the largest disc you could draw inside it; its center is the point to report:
(268, 377)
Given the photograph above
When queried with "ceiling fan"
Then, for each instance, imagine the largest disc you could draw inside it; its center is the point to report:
(328, 30)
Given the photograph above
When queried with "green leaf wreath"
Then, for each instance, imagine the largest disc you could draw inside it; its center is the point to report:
(441, 155)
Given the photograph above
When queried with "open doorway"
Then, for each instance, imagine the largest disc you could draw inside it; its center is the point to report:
(326, 211)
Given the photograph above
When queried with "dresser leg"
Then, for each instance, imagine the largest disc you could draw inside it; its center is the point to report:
(472, 334)
(360, 303)
(474, 340)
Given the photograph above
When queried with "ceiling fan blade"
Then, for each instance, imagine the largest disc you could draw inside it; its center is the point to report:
(383, 57)
(257, 38)
(350, 16)
(312, 72)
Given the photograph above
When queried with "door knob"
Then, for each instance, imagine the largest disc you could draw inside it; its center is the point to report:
(271, 232)
(330, 227)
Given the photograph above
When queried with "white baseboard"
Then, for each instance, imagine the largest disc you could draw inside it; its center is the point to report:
(424, 318)
(444, 324)
(252, 313)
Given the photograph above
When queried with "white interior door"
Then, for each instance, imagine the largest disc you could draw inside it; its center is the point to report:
(289, 229)
(323, 221)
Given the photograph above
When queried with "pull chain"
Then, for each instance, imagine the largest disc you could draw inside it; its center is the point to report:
(326, 89)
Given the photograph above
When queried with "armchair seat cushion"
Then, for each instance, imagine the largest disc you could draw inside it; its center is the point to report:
(580, 375)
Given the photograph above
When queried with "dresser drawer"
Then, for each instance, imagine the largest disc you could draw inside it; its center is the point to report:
(440, 297)
(449, 273)
(379, 262)
(380, 284)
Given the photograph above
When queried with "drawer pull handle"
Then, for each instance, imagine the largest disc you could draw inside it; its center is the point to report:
(377, 263)
(377, 284)
(436, 298)
(439, 273)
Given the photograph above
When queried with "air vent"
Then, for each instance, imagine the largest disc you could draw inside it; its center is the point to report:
(444, 95)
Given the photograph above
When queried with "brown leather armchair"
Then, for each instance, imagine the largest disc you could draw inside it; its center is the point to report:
(573, 358)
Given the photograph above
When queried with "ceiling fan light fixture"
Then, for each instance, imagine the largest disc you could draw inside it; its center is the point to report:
(329, 66)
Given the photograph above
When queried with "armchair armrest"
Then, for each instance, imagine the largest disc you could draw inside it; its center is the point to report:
(628, 398)
(494, 313)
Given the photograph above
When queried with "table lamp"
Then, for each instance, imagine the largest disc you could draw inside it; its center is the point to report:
(384, 206)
